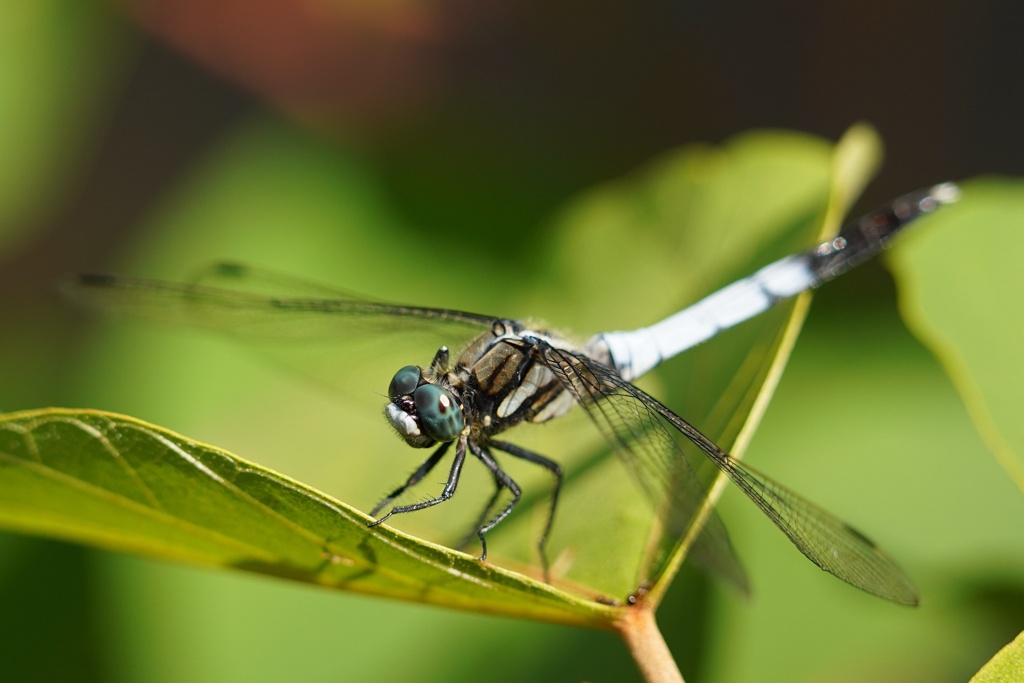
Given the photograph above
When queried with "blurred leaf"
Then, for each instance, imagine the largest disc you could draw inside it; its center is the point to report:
(1006, 667)
(55, 59)
(961, 282)
(121, 484)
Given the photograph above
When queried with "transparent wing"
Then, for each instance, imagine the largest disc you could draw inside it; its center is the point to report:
(667, 477)
(327, 334)
(238, 299)
(654, 442)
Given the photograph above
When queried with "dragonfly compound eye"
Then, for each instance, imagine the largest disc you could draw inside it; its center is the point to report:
(405, 381)
(440, 416)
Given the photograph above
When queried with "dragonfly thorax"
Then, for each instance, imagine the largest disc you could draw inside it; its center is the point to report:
(423, 413)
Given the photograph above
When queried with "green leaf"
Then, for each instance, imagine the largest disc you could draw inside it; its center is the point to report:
(118, 483)
(1006, 667)
(961, 282)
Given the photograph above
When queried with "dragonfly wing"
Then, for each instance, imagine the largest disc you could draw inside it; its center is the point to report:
(233, 298)
(652, 439)
(645, 443)
(826, 540)
(323, 333)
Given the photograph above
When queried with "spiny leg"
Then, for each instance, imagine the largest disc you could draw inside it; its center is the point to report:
(556, 470)
(502, 479)
(483, 516)
(415, 478)
(449, 488)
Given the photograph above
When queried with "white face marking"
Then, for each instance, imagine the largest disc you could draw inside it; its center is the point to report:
(402, 421)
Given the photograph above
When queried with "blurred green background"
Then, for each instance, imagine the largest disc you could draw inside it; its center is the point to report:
(149, 137)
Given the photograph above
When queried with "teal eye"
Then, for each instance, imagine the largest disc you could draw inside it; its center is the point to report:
(440, 416)
(404, 382)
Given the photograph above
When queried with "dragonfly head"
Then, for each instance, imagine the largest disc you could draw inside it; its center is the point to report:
(422, 412)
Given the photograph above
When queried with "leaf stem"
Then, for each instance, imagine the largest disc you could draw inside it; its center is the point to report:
(645, 642)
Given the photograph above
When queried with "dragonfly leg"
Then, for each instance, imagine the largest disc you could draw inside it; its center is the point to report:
(502, 479)
(440, 363)
(556, 471)
(422, 471)
(449, 488)
(483, 516)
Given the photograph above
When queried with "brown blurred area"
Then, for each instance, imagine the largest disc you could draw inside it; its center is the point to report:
(332, 61)
(487, 115)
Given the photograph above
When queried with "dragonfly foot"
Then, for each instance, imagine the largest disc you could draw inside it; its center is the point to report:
(375, 522)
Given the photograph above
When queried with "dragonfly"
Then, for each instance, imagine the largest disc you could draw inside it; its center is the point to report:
(510, 372)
